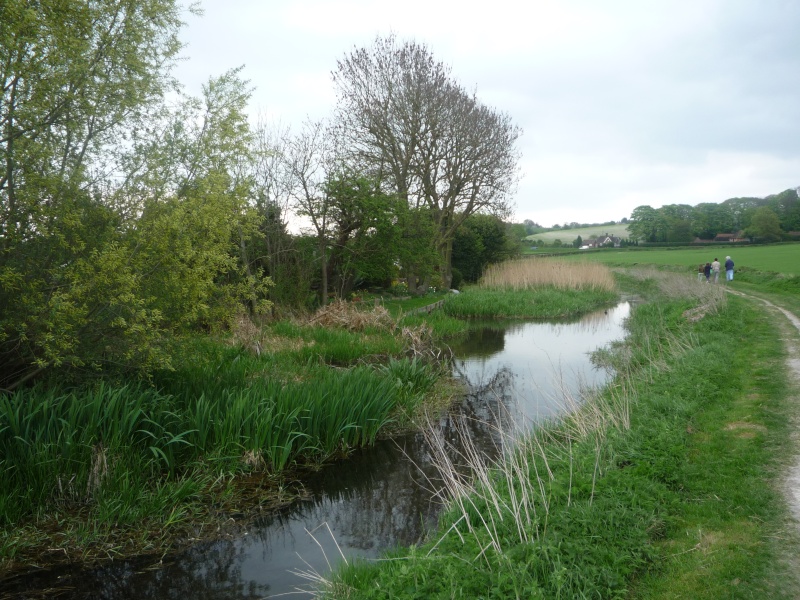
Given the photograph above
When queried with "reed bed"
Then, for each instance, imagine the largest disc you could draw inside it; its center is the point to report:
(86, 447)
(539, 303)
(527, 273)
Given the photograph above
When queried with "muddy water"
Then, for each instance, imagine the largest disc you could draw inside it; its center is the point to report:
(377, 499)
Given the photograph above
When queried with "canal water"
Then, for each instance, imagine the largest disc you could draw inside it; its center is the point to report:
(517, 374)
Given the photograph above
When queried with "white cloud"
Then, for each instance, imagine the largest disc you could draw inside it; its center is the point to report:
(622, 102)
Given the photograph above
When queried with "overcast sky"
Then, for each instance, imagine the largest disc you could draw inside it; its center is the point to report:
(622, 103)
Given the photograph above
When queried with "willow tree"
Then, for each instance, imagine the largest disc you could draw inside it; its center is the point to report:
(407, 122)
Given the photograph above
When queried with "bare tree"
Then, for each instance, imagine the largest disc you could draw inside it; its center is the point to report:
(407, 122)
(273, 184)
(308, 160)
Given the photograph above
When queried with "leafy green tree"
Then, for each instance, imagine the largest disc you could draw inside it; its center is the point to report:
(740, 212)
(647, 224)
(517, 232)
(787, 206)
(481, 240)
(765, 225)
(77, 78)
(364, 237)
(577, 242)
(468, 251)
(193, 192)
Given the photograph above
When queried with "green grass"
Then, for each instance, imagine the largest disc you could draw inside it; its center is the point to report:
(399, 306)
(662, 486)
(154, 456)
(542, 303)
(774, 258)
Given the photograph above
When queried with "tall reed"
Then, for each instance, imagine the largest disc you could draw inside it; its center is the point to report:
(528, 273)
(85, 446)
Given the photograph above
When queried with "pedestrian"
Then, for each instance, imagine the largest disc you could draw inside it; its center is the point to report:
(715, 269)
(700, 272)
(707, 271)
(728, 269)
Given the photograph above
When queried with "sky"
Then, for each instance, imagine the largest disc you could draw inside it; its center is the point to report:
(621, 103)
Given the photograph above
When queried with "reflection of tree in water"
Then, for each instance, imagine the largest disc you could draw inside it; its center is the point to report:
(206, 572)
(482, 342)
(376, 499)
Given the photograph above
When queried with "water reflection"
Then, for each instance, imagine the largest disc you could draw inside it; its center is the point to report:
(378, 498)
(540, 367)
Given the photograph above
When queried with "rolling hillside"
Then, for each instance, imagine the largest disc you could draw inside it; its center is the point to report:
(567, 235)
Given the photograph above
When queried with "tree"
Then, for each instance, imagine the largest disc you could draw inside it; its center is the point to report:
(480, 241)
(647, 224)
(275, 250)
(193, 192)
(577, 242)
(408, 123)
(765, 225)
(76, 78)
(740, 211)
(310, 163)
(364, 235)
(787, 206)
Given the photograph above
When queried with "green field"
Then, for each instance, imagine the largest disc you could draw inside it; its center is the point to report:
(778, 258)
(567, 235)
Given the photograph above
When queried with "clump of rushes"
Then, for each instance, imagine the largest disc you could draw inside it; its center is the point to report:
(536, 289)
(134, 454)
(656, 480)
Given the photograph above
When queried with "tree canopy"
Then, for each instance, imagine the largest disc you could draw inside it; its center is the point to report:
(121, 218)
(406, 121)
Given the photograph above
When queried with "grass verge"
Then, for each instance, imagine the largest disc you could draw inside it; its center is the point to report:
(663, 485)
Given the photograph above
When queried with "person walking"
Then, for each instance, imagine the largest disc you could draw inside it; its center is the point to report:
(715, 269)
(707, 271)
(700, 272)
(728, 269)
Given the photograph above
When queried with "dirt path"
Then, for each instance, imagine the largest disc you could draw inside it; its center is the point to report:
(791, 482)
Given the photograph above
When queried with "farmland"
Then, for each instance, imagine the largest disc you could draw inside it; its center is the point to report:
(778, 258)
(567, 235)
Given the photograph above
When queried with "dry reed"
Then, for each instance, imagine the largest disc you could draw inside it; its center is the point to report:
(529, 273)
(350, 316)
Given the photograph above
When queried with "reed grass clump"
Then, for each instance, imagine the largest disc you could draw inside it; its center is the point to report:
(535, 289)
(530, 273)
(107, 448)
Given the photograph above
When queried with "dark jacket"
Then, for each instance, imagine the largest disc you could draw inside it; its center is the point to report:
(728, 264)
(707, 270)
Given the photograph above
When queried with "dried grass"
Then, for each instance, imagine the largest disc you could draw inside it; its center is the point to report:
(529, 273)
(248, 335)
(350, 316)
(710, 297)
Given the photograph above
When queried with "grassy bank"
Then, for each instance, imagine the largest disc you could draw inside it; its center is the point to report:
(661, 486)
(119, 466)
(116, 466)
(771, 271)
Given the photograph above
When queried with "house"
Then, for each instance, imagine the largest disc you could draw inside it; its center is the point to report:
(731, 238)
(608, 239)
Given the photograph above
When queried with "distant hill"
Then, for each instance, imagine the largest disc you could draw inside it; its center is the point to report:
(567, 235)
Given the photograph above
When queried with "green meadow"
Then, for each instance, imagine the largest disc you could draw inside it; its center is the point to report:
(777, 258)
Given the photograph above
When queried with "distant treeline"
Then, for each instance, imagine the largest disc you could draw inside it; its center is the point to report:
(768, 219)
